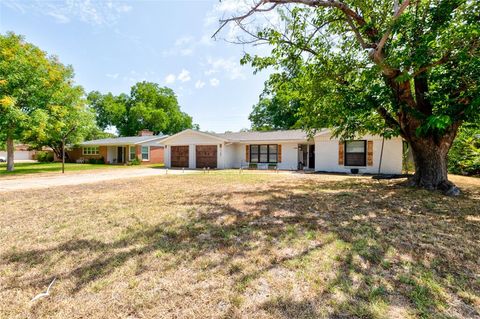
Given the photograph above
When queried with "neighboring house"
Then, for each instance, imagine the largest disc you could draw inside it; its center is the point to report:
(287, 150)
(22, 152)
(120, 150)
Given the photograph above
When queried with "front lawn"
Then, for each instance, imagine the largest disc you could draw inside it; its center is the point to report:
(229, 245)
(33, 168)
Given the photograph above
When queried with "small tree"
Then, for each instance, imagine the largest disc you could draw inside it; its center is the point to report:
(29, 80)
(389, 67)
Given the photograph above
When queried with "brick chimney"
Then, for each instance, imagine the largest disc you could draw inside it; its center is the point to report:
(145, 133)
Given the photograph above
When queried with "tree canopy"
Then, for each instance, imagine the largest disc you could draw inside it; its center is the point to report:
(38, 100)
(149, 106)
(384, 67)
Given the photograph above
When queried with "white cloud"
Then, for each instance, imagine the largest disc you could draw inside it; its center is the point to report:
(170, 78)
(90, 12)
(183, 41)
(60, 18)
(112, 76)
(186, 52)
(199, 84)
(230, 67)
(184, 76)
(214, 82)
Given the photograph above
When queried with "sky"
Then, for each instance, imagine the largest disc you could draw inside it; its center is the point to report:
(114, 44)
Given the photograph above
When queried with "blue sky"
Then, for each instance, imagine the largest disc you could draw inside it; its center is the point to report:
(114, 44)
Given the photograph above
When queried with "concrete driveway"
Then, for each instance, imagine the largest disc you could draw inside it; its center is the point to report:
(35, 182)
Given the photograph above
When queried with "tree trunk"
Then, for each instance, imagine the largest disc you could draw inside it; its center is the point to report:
(430, 159)
(10, 154)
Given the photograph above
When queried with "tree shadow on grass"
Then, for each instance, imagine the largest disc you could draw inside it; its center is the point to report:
(397, 244)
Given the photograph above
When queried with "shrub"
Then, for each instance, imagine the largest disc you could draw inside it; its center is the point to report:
(136, 161)
(100, 160)
(92, 161)
(464, 155)
(45, 157)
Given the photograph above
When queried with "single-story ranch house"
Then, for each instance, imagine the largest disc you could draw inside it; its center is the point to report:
(287, 150)
(120, 150)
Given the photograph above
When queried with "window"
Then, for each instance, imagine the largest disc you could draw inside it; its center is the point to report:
(355, 153)
(253, 153)
(145, 153)
(272, 153)
(264, 153)
(133, 153)
(93, 150)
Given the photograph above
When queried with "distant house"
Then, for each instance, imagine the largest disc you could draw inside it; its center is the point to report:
(21, 152)
(287, 150)
(145, 147)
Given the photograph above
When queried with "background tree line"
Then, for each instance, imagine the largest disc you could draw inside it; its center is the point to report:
(41, 105)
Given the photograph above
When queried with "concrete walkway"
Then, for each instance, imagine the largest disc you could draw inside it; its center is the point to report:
(35, 182)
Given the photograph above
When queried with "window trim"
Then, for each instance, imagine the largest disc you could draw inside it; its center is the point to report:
(130, 153)
(258, 154)
(364, 153)
(148, 153)
(91, 150)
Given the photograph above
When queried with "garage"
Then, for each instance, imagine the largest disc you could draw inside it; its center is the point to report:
(179, 156)
(206, 156)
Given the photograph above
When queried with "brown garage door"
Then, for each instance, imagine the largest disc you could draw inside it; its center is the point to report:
(179, 156)
(206, 156)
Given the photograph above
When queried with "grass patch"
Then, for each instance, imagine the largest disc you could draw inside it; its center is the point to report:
(253, 245)
(35, 168)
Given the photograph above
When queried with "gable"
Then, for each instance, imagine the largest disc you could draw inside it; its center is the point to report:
(191, 137)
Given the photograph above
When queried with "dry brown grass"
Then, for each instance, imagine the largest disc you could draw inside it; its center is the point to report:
(225, 245)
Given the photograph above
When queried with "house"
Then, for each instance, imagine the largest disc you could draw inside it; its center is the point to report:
(121, 150)
(287, 150)
(21, 152)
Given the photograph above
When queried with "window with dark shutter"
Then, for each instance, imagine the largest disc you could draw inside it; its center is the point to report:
(264, 153)
(355, 153)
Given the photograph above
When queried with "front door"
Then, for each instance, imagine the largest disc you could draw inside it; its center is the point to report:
(119, 154)
(311, 156)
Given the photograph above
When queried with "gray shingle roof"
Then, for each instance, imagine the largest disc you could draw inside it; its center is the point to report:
(282, 135)
(127, 140)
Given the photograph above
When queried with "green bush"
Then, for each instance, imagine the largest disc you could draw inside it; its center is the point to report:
(136, 161)
(100, 160)
(92, 161)
(45, 157)
(464, 155)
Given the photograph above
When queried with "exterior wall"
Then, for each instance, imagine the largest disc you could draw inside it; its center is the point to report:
(20, 155)
(235, 155)
(192, 139)
(326, 156)
(156, 154)
(77, 153)
(289, 156)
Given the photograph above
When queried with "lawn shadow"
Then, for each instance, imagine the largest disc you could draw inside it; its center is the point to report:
(392, 247)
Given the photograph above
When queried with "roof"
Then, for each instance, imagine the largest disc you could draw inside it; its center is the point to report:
(127, 140)
(284, 135)
(254, 136)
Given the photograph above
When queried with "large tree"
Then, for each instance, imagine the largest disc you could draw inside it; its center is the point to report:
(29, 81)
(148, 106)
(278, 107)
(391, 67)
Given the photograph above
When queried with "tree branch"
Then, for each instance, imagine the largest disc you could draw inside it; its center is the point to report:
(385, 36)
(425, 68)
(371, 32)
(358, 35)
